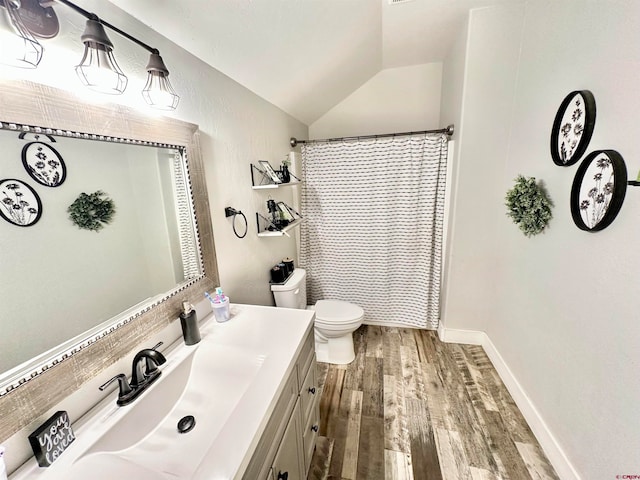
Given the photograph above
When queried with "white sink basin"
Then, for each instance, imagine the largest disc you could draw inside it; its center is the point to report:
(101, 466)
(228, 382)
(206, 384)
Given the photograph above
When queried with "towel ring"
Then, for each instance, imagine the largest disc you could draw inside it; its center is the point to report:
(232, 212)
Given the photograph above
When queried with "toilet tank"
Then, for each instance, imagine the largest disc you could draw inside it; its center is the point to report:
(293, 292)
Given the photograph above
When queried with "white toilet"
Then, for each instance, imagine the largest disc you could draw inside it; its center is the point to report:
(335, 320)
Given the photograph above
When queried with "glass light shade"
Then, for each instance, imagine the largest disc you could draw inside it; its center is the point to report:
(18, 47)
(158, 91)
(98, 69)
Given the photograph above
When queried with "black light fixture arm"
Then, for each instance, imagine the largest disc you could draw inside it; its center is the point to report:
(93, 16)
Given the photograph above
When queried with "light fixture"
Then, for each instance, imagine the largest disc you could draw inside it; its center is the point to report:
(158, 91)
(107, 77)
(18, 46)
(98, 68)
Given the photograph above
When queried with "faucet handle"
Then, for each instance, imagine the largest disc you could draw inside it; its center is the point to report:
(125, 389)
(152, 366)
(126, 394)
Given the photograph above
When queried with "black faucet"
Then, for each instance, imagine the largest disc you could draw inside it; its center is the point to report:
(144, 376)
(141, 377)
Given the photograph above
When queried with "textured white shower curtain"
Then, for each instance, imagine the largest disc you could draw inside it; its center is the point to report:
(372, 233)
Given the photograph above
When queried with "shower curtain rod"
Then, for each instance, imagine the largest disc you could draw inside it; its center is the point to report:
(293, 141)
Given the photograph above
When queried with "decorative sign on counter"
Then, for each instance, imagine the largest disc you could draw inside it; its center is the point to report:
(52, 438)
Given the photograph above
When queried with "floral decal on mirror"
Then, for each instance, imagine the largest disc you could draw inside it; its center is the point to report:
(573, 127)
(20, 204)
(44, 164)
(598, 190)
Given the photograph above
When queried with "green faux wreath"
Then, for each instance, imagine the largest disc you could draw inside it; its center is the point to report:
(529, 206)
(91, 211)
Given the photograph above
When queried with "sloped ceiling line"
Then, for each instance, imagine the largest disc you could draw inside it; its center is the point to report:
(307, 56)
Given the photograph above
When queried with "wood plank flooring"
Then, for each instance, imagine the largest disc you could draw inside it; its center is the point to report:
(410, 407)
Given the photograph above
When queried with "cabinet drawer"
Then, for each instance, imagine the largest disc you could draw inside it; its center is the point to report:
(309, 391)
(310, 434)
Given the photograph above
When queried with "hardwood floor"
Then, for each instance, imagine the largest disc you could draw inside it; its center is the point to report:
(412, 407)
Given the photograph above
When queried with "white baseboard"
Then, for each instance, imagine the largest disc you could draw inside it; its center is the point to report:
(468, 337)
(545, 437)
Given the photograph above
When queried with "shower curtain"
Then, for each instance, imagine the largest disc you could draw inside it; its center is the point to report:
(372, 234)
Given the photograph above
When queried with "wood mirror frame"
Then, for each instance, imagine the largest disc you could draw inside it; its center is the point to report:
(26, 103)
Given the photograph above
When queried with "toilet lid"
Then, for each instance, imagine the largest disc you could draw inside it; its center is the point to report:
(337, 311)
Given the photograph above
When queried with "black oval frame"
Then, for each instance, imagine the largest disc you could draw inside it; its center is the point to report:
(36, 196)
(589, 125)
(617, 197)
(26, 165)
(23, 136)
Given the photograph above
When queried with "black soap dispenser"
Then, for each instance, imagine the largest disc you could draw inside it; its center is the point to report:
(189, 323)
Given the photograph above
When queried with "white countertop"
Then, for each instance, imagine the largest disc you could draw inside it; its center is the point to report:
(275, 334)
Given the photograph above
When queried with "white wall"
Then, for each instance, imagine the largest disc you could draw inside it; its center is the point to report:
(401, 99)
(488, 81)
(451, 107)
(559, 307)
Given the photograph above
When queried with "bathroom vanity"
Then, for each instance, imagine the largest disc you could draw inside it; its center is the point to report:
(286, 446)
(251, 386)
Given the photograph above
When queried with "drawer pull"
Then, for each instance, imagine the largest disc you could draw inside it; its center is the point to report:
(283, 476)
(312, 390)
(315, 428)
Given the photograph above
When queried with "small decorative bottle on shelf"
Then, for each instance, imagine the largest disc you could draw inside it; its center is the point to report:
(286, 176)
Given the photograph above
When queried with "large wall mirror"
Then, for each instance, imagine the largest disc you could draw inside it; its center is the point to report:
(64, 279)
(77, 296)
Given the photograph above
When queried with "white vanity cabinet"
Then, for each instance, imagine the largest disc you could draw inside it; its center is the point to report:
(286, 447)
(288, 463)
(309, 408)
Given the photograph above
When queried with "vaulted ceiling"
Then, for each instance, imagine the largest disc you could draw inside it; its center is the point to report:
(305, 56)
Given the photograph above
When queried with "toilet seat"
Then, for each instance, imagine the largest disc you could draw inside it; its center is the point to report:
(336, 312)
